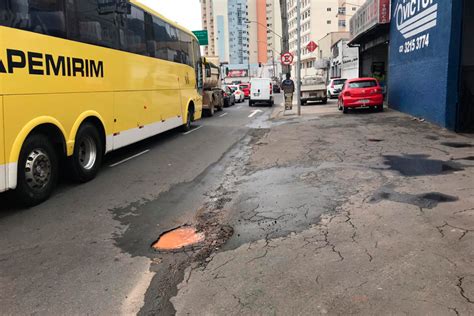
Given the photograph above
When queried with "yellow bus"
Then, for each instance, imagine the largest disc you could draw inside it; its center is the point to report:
(81, 78)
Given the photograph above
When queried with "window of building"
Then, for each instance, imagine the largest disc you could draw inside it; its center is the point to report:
(328, 22)
(329, 9)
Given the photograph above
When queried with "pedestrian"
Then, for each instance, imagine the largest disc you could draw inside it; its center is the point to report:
(288, 87)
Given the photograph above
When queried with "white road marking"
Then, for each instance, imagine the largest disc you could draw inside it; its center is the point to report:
(255, 112)
(239, 107)
(129, 158)
(223, 114)
(194, 129)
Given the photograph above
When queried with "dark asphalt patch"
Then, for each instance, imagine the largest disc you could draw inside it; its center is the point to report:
(420, 165)
(457, 145)
(375, 140)
(424, 200)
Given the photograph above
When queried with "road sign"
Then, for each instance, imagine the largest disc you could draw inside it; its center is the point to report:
(202, 37)
(311, 46)
(287, 58)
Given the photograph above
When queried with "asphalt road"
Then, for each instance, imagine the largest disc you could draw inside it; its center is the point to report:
(75, 253)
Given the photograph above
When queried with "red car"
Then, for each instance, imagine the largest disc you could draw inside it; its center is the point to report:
(361, 93)
(245, 87)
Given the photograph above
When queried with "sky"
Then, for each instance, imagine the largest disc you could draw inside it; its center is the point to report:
(186, 12)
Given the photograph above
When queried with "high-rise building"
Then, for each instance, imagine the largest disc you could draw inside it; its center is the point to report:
(221, 26)
(208, 24)
(246, 34)
(238, 35)
(318, 18)
(345, 11)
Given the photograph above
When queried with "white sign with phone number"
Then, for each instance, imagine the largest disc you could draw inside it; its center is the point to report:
(413, 18)
(415, 44)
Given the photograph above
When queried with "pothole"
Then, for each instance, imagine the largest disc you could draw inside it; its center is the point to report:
(179, 239)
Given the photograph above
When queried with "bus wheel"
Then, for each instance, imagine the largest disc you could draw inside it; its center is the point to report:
(88, 152)
(189, 120)
(37, 170)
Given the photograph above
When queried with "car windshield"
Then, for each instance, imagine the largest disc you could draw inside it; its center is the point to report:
(363, 84)
(233, 89)
(339, 81)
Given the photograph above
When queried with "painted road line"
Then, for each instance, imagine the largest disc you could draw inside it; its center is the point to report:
(129, 158)
(223, 114)
(255, 112)
(239, 107)
(193, 130)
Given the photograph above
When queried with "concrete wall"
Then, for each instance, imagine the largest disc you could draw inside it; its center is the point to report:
(423, 78)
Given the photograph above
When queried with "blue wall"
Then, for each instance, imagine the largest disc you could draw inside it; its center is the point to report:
(423, 79)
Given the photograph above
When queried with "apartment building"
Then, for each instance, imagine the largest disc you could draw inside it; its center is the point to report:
(318, 18)
(221, 27)
(208, 24)
(238, 35)
(345, 12)
(245, 34)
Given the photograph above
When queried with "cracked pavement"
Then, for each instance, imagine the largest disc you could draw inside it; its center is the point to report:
(367, 213)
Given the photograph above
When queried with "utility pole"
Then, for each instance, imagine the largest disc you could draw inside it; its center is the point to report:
(298, 53)
(285, 40)
(273, 61)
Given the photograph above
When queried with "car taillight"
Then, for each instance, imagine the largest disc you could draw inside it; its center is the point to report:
(332, 85)
(377, 91)
(270, 88)
(347, 93)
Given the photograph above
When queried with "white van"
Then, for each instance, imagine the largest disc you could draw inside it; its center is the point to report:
(261, 90)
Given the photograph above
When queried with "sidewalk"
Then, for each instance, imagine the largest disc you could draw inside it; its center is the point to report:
(364, 213)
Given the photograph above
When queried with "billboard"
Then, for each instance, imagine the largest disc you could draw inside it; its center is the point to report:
(236, 73)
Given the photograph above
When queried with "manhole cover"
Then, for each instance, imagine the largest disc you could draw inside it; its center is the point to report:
(178, 239)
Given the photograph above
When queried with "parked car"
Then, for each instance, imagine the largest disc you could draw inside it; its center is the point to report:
(261, 90)
(245, 87)
(229, 98)
(361, 93)
(335, 87)
(239, 94)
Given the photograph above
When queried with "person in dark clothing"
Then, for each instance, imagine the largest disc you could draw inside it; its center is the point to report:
(288, 87)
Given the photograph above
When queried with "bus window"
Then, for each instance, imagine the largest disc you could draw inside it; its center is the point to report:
(86, 24)
(40, 16)
(132, 36)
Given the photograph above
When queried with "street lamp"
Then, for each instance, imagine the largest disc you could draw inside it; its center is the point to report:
(266, 26)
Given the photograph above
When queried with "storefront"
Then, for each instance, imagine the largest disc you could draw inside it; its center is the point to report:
(370, 31)
(432, 61)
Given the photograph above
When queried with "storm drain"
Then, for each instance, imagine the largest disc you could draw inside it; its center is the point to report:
(180, 238)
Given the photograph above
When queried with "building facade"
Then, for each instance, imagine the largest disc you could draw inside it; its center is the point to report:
(346, 10)
(246, 34)
(432, 61)
(207, 16)
(318, 18)
(238, 36)
(370, 31)
(221, 27)
(344, 60)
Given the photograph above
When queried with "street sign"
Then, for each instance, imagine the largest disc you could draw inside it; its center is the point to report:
(311, 46)
(287, 58)
(202, 37)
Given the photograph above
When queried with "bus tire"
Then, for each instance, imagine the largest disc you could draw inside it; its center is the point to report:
(37, 170)
(88, 152)
(189, 120)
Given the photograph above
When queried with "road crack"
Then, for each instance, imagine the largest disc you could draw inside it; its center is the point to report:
(462, 292)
